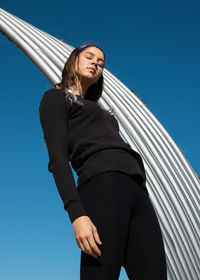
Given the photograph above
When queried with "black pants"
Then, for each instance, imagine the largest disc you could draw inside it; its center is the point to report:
(128, 229)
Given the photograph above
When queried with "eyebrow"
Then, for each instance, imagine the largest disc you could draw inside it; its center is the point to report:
(93, 54)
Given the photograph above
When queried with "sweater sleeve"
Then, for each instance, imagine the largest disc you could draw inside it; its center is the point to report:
(54, 120)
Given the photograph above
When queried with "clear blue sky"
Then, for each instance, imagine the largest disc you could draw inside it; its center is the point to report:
(153, 47)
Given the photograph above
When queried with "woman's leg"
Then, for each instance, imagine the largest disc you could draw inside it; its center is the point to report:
(145, 255)
(107, 199)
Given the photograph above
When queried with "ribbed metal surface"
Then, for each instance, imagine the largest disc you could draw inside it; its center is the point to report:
(172, 183)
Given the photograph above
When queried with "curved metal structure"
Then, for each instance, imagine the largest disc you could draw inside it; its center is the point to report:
(172, 183)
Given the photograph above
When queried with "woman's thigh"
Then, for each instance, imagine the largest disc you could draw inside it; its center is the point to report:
(107, 198)
(145, 255)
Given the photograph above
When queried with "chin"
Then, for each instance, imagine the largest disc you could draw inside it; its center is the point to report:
(89, 79)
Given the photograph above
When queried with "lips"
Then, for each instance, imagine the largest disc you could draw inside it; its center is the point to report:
(91, 69)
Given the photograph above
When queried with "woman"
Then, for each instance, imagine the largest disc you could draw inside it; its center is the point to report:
(113, 219)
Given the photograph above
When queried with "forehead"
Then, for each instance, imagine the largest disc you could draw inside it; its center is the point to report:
(94, 51)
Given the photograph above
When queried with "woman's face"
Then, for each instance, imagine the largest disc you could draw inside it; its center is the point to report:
(90, 64)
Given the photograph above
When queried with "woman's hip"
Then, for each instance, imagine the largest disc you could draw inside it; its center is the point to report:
(114, 194)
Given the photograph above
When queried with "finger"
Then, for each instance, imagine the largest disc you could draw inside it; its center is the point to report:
(87, 247)
(83, 249)
(93, 246)
(80, 245)
(96, 236)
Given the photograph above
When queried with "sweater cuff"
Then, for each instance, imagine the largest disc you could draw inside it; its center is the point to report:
(75, 210)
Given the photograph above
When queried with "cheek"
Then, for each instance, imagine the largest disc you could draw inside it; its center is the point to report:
(79, 65)
(82, 66)
(100, 72)
(98, 76)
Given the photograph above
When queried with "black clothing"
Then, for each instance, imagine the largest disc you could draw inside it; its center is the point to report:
(128, 229)
(89, 138)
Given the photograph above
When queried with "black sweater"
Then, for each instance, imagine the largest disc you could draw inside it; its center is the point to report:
(89, 138)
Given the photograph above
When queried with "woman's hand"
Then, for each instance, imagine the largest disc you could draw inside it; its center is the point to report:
(86, 234)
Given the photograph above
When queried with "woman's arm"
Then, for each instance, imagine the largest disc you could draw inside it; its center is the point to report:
(54, 120)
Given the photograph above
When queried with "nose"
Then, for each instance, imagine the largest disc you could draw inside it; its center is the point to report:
(95, 62)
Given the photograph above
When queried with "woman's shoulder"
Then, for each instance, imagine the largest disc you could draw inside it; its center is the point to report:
(53, 97)
(53, 92)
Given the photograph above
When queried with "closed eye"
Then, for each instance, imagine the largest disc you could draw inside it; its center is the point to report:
(88, 56)
(101, 65)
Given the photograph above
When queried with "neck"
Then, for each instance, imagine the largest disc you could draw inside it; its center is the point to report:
(81, 88)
